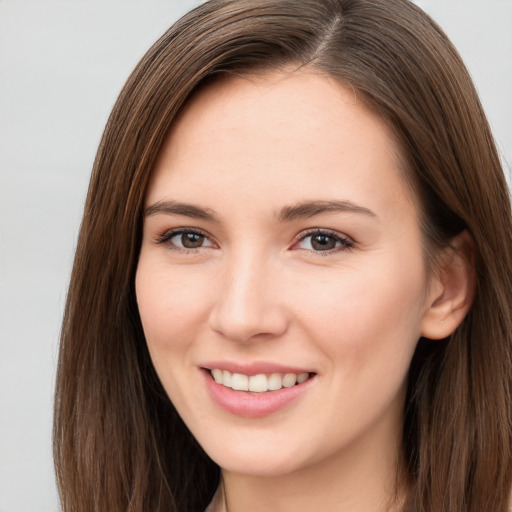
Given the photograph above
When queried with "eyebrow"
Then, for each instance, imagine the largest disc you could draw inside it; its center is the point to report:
(178, 208)
(302, 210)
(311, 208)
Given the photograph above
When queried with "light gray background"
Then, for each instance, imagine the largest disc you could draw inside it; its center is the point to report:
(62, 64)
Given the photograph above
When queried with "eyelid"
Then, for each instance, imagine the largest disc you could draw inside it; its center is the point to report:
(347, 243)
(165, 237)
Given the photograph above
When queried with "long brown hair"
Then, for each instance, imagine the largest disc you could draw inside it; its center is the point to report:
(119, 444)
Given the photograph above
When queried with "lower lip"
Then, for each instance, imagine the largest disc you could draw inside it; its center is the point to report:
(254, 405)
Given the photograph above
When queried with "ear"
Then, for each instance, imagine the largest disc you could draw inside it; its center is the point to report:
(452, 288)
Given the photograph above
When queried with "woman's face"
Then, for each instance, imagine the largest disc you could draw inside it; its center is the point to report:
(282, 253)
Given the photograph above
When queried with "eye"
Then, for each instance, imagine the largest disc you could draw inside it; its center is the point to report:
(185, 239)
(321, 240)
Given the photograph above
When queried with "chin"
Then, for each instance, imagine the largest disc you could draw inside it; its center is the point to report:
(268, 467)
(256, 459)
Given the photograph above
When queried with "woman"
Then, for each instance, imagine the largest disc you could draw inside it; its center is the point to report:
(292, 282)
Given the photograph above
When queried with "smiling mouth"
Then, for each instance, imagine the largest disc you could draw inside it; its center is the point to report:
(260, 383)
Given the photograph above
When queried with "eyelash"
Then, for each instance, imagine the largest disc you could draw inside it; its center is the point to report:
(166, 237)
(345, 243)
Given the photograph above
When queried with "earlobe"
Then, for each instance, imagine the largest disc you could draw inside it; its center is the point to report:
(452, 289)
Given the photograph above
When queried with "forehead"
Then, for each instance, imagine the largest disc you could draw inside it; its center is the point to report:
(265, 102)
(287, 135)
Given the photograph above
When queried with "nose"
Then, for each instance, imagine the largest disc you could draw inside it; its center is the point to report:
(248, 304)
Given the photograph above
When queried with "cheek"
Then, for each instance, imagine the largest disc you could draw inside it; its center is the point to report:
(367, 330)
(365, 315)
(171, 308)
(171, 316)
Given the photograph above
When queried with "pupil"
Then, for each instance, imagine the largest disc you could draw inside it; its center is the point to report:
(323, 242)
(192, 240)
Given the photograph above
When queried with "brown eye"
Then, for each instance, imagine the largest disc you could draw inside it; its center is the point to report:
(186, 239)
(323, 242)
(192, 240)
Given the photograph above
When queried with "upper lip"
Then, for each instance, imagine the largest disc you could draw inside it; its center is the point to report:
(254, 368)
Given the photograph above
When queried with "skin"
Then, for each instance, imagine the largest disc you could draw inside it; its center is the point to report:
(257, 290)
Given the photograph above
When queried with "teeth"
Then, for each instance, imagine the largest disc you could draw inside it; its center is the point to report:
(258, 383)
(289, 380)
(226, 378)
(302, 377)
(240, 382)
(217, 375)
(275, 382)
